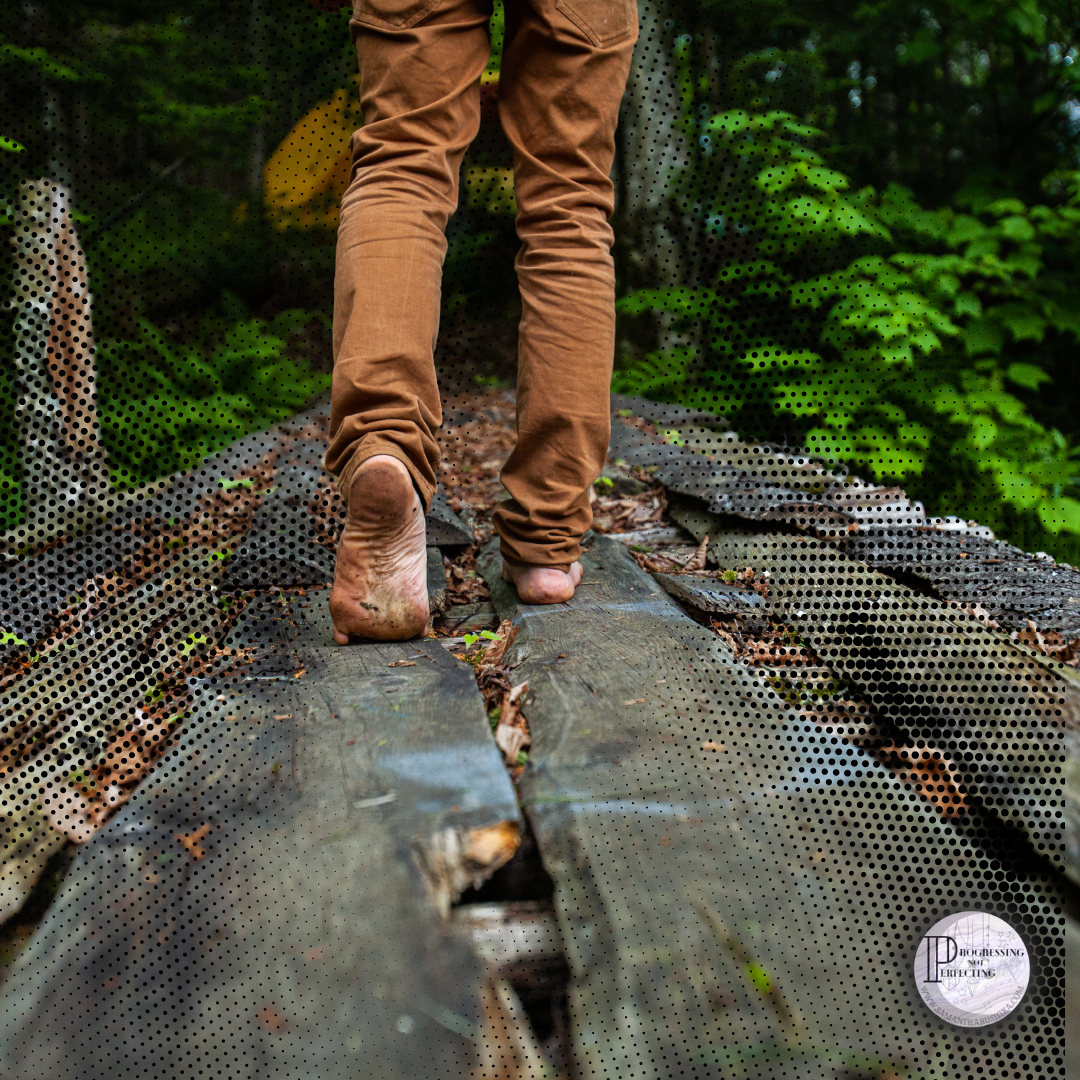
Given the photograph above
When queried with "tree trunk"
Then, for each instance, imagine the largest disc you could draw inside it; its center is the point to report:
(65, 474)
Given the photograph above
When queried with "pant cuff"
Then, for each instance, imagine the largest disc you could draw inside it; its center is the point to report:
(538, 561)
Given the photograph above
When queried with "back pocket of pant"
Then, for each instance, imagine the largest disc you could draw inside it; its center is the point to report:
(603, 22)
(393, 14)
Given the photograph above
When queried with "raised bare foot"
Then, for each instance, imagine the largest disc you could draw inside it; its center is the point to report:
(380, 580)
(542, 584)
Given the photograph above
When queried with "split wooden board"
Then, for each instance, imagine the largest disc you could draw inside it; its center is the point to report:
(734, 886)
(1007, 718)
(269, 901)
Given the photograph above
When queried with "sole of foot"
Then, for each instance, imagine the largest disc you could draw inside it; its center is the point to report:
(542, 584)
(380, 579)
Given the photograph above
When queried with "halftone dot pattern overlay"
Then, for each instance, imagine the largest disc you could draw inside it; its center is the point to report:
(817, 693)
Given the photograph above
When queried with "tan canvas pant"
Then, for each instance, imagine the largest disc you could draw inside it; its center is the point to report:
(564, 68)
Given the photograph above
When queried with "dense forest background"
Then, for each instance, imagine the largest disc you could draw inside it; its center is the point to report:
(852, 226)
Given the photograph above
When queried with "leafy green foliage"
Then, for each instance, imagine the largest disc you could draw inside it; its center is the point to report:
(962, 101)
(902, 359)
(159, 122)
(194, 399)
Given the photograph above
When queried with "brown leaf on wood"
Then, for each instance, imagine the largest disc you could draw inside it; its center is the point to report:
(697, 560)
(272, 1018)
(1049, 643)
(493, 681)
(931, 774)
(190, 841)
(978, 613)
(505, 635)
(512, 733)
(511, 741)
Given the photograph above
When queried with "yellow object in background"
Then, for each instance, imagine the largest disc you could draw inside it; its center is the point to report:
(490, 189)
(307, 174)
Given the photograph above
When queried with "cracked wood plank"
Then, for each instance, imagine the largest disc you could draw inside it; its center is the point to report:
(336, 812)
(1009, 584)
(1008, 718)
(706, 842)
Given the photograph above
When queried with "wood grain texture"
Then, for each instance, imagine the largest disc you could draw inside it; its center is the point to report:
(716, 598)
(1008, 717)
(1011, 585)
(880, 526)
(700, 832)
(308, 927)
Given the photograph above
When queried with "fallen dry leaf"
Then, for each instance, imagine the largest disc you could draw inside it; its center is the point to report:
(930, 772)
(697, 560)
(512, 733)
(511, 741)
(1049, 643)
(978, 613)
(710, 745)
(190, 841)
(505, 635)
(635, 701)
(272, 1018)
(402, 663)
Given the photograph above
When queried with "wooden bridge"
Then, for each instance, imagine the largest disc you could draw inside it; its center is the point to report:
(742, 787)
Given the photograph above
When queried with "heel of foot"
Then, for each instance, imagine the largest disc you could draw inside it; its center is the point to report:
(381, 485)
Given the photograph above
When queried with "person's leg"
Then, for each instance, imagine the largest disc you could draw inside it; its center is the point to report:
(420, 67)
(564, 70)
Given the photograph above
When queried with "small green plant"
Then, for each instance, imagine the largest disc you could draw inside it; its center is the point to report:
(188, 400)
(912, 358)
(487, 635)
(193, 642)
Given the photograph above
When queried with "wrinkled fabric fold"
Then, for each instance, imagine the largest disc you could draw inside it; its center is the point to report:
(558, 103)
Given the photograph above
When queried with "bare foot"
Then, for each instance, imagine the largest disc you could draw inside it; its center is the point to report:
(380, 580)
(542, 584)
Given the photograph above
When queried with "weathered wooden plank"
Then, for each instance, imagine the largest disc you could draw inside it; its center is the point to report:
(718, 598)
(711, 850)
(436, 581)
(287, 543)
(1009, 584)
(878, 525)
(332, 798)
(1007, 718)
(62, 712)
(445, 527)
(743, 480)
